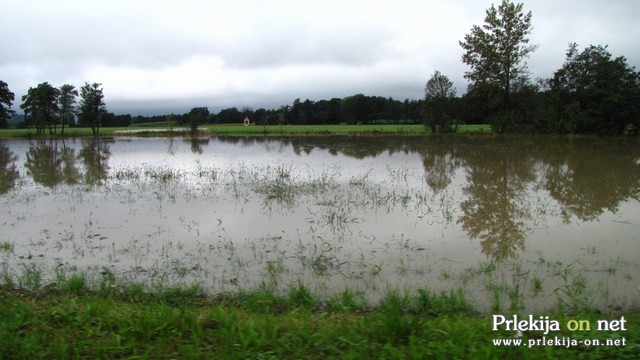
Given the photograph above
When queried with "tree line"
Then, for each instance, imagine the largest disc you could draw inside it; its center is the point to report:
(356, 109)
(592, 93)
(47, 107)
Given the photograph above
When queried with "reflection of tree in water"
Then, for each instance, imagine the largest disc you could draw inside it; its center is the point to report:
(440, 160)
(44, 163)
(587, 178)
(496, 209)
(171, 150)
(197, 144)
(52, 163)
(8, 172)
(95, 154)
(441, 168)
(242, 141)
(70, 172)
(358, 147)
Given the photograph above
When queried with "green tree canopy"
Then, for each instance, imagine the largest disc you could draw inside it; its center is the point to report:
(496, 51)
(92, 106)
(439, 95)
(6, 100)
(229, 115)
(595, 93)
(355, 108)
(67, 99)
(197, 115)
(40, 106)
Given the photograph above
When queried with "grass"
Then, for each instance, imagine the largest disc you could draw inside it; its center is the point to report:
(72, 320)
(237, 130)
(6, 247)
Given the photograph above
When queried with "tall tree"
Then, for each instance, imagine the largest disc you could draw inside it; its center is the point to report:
(496, 51)
(40, 106)
(6, 100)
(439, 95)
(92, 106)
(67, 101)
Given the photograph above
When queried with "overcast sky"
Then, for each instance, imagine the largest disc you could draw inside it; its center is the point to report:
(161, 56)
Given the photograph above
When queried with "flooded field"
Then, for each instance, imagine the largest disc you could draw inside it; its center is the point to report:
(524, 223)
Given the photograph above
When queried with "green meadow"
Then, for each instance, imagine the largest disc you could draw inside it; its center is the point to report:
(239, 130)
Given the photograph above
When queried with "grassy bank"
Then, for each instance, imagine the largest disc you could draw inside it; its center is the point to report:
(238, 130)
(69, 319)
(333, 129)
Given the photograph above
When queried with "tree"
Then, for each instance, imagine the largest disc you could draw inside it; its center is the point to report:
(67, 100)
(228, 116)
(247, 111)
(6, 100)
(197, 115)
(170, 119)
(40, 106)
(92, 106)
(595, 93)
(112, 120)
(295, 114)
(495, 51)
(307, 112)
(355, 109)
(439, 95)
(334, 111)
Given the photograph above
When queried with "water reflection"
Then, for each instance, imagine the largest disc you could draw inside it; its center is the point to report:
(8, 171)
(337, 212)
(95, 155)
(440, 163)
(53, 162)
(198, 144)
(504, 184)
(589, 178)
(50, 165)
(497, 210)
(585, 176)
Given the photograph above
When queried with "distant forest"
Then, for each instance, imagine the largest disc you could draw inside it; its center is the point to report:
(351, 110)
(592, 93)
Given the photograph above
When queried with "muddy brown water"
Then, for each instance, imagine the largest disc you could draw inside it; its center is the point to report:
(513, 223)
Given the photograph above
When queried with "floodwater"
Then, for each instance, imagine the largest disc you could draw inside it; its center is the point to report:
(514, 223)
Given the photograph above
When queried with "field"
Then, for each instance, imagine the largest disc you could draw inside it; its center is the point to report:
(239, 130)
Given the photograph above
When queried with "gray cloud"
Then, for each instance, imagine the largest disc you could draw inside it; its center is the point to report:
(165, 54)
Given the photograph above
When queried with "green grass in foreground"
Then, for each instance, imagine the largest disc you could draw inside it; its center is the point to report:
(238, 130)
(70, 321)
